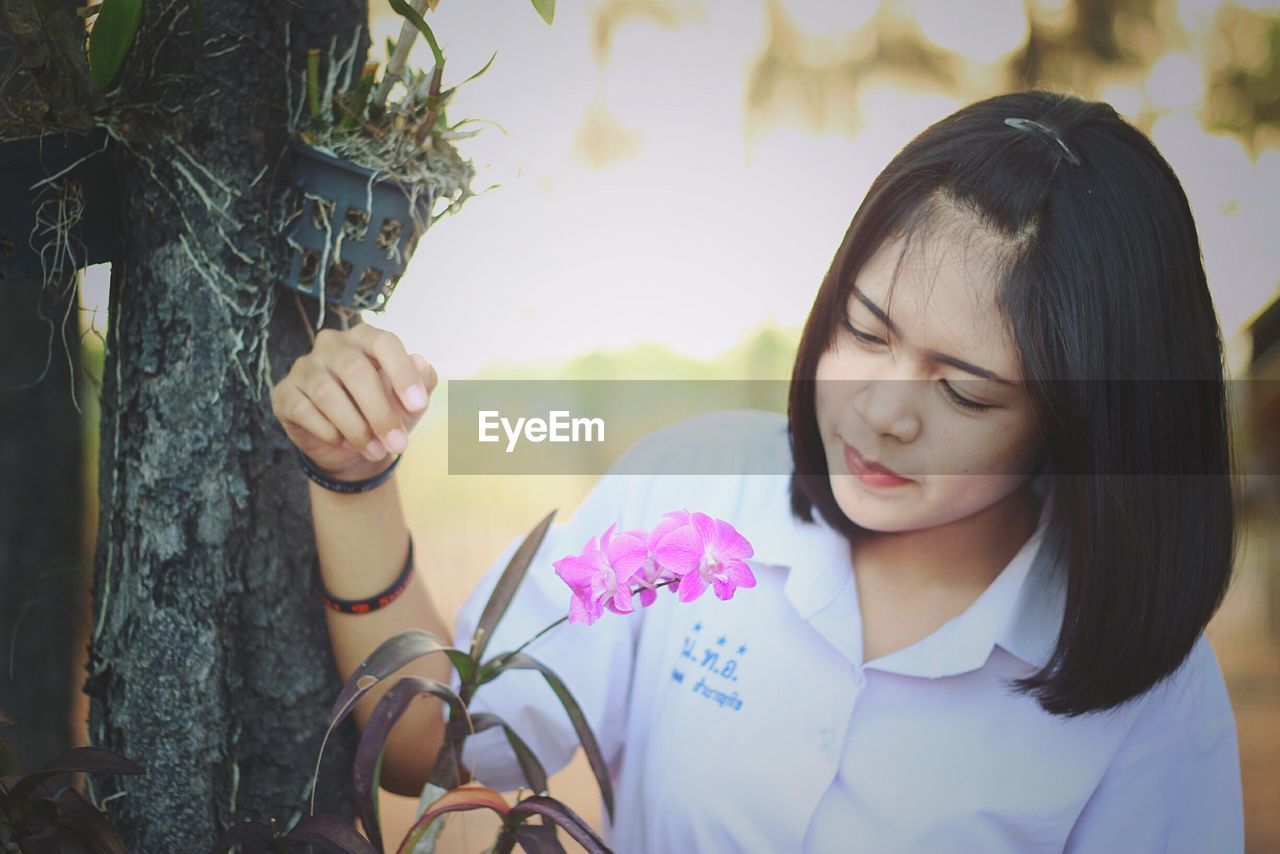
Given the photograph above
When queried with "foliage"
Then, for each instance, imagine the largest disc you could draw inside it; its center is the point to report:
(34, 819)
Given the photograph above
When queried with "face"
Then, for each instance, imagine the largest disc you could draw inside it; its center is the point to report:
(903, 392)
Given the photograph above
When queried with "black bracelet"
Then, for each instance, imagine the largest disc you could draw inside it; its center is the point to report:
(345, 486)
(373, 603)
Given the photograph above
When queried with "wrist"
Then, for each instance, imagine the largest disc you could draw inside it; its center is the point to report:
(354, 479)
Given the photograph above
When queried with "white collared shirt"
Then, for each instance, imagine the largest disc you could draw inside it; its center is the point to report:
(754, 724)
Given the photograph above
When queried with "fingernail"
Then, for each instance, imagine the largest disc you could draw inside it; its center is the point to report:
(376, 450)
(397, 440)
(415, 397)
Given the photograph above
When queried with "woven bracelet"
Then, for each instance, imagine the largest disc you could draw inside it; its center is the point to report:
(373, 603)
(345, 486)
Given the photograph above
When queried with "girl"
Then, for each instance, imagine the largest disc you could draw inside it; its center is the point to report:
(988, 535)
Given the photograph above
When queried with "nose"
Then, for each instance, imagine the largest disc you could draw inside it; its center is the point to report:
(889, 405)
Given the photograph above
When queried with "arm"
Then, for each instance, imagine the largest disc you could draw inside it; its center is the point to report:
(354, 389)
(361, 541)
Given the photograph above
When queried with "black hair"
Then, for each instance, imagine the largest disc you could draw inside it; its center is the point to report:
(1104, 290)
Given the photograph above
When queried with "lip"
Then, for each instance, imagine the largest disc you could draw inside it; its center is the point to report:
(870, 473)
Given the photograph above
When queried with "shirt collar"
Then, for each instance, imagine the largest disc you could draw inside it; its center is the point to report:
(1021, 610)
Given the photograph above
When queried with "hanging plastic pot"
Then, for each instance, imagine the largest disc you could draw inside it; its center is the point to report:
(355, 232)
(61, 206)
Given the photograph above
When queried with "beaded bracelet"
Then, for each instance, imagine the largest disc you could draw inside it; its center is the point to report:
(345, 486)
(373, 603)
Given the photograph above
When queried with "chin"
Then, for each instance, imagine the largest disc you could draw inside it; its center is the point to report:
(873, 512)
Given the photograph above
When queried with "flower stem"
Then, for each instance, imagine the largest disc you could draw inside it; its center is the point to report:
(635, 590)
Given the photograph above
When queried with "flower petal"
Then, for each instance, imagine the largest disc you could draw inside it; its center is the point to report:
(575, 571)
(680, 551)
(620, 603)
(724, 589)
(728, 544)
(740, 574)
(580, 612)
(705, 526)
(668, 524)
(692, 586)
(627, 555)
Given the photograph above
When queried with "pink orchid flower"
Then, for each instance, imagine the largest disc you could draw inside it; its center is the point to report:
(704, 552)
(599, 576)
(653, 573)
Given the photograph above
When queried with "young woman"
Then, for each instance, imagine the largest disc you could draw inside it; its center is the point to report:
(988, 535)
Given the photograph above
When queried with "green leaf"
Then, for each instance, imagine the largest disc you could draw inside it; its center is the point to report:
(113, 33)
(505, 590)
(595, 757)
(546, 8)
(481, 71)
(406, 11)
(197, 11)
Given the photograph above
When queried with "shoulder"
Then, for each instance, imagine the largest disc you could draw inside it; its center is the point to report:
(732, 441)
(1189, 711)
(717, 463)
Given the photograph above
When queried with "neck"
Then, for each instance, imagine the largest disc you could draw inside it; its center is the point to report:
(961, 556)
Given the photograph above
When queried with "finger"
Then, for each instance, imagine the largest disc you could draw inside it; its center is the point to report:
(329, 395)
(428, 372)
(304, 415)
(389, 354)
(358, 375)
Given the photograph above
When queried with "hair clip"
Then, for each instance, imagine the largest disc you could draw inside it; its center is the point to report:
(1044, 134)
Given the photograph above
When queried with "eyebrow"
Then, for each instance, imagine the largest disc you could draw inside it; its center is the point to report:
(967, 367)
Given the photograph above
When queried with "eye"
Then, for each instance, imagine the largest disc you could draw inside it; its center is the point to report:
(864, 337)
(963, 401)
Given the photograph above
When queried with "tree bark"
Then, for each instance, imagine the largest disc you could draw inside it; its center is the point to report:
(41, 513)
(209, 661)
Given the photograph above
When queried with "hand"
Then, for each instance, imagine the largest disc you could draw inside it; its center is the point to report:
(352, 399)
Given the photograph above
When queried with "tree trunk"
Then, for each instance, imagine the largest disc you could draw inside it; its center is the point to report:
(209, 660)
(41, 513)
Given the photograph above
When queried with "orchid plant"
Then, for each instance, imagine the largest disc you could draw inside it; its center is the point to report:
(686, 552)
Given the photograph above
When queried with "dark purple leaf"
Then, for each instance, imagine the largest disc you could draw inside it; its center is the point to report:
(253, 836)
(331, 834)
(91, 822)
(391, 655)
(95, 760)
(56, 838)
(534, 774)
(559, 812)
(538, 839)
(505, 590)
(523, 661)
(8, 761)
(461, 799)
(373, 740)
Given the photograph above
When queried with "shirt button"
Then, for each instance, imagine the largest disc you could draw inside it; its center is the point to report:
(826, 739)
